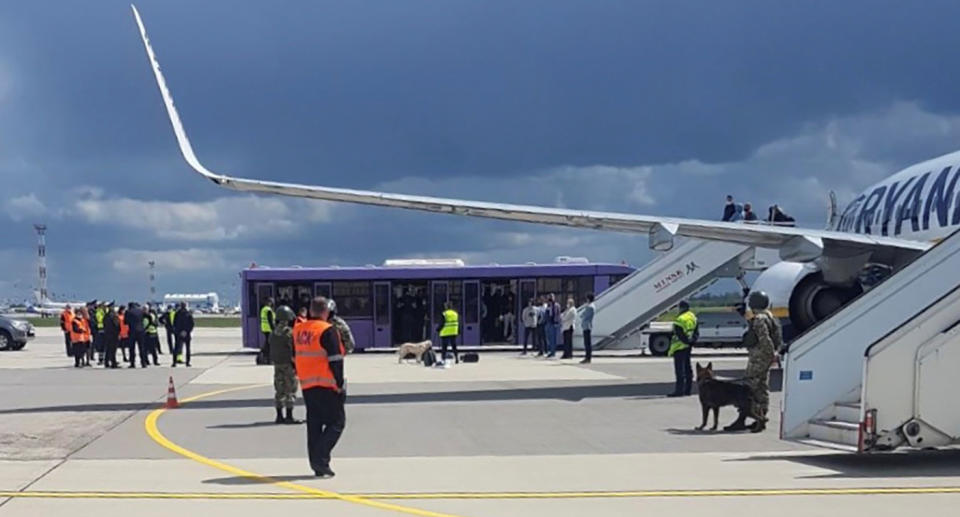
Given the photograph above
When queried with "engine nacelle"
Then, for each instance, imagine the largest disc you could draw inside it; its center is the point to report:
(800, 297)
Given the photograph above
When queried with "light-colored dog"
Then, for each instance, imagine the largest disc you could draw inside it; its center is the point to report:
(417, 349)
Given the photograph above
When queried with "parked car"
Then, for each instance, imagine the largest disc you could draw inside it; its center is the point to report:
(14, 333)
(717, 330)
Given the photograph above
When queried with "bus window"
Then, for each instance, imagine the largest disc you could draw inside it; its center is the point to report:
(561, 288)
(548, 285)
(322, 289)
(528, 290)
(353, 299)
(456, 295)
(284, 294)
(584, 286)
(253, 302)
(382, 300)
(471, 308)
(616, 278)
(439, 297)
(264, 291)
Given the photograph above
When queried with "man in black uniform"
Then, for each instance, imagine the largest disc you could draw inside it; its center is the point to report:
(111, 337)
(319, 361)
(182, 327)
(134, 319)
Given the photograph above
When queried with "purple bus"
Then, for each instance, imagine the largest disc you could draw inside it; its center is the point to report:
(389, 305)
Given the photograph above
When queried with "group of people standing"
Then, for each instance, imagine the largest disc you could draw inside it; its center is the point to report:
(410, 315)
(96, 330)
(543, 319)
(735, 212)
(269, 323)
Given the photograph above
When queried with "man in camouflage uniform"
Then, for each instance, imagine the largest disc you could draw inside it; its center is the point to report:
(284, 373)
(763, 339)
(346, 336)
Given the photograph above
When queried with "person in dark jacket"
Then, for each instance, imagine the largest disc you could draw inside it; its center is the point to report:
(748, 213)
(541, 334)
(777, 216)
(111, 337)
(732, 212)
(182, 327)
(134, 319)
(284, 372)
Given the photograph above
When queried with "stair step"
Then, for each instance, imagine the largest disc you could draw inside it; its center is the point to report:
(847, 412)
(845, 433)
(827, 445)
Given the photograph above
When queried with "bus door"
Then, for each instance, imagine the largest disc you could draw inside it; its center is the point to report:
(470, 318)
(264, 290)
(382, 334)
(324, 289)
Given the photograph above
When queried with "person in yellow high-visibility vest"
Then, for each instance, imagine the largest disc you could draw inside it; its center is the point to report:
(449, 329)
(684, 336)
(267, 323)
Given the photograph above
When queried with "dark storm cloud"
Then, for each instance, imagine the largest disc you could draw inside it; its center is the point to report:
(665, 105)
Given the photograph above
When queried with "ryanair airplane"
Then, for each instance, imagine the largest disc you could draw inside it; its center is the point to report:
(882, 229)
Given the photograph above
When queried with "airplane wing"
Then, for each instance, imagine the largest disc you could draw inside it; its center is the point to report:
(795, 244)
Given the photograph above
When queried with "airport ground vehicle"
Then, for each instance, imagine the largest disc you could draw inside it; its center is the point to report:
(14, 333)
(717, 330)
(402, 300)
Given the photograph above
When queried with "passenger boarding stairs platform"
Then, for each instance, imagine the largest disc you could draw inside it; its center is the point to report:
(883, 371)
(624, 310)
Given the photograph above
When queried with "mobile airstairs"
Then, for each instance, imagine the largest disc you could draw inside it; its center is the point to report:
(882, 372)
(623, 310)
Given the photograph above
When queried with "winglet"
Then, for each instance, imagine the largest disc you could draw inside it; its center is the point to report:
(178, 130)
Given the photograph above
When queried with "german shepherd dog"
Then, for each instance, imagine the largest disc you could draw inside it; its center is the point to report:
(715, 393)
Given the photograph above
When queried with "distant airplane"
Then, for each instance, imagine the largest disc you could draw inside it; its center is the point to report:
(885, 227)
(45, 306)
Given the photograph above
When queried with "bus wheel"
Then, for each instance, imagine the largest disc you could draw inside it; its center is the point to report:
(659, 344)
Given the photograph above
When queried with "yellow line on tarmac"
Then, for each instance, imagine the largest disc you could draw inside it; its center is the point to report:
(150, 424)
(486, 495)
(669, 493)
(374, 499)
(156, 495)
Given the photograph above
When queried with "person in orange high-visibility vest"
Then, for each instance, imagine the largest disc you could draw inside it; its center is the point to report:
(88, 334)
(318, 354)
(124, 331)
(80, 337)
(66, 321)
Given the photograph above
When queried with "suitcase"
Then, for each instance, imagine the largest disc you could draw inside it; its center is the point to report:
(470, 357)
(429, 357)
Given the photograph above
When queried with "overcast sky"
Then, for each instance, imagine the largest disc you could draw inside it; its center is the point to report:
(650, 107)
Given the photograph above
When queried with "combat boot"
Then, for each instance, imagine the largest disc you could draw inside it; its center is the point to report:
(758, 426)
(739, 424)
(289, 418)
(279, 419)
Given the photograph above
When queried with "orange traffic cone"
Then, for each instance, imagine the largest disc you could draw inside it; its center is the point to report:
(172, 396)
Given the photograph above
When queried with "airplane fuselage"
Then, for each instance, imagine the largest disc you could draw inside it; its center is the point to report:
(921, 202)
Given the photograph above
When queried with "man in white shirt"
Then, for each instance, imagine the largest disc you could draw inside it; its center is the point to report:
(567, 320)
(586, 325)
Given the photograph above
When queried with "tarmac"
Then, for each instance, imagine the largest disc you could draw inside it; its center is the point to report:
(508, 436)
